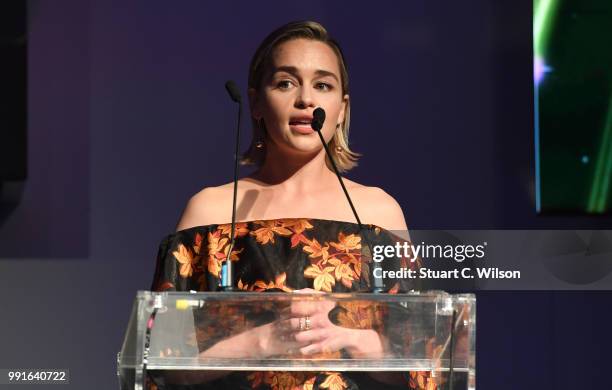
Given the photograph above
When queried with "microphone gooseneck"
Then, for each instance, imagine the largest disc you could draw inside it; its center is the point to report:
(227, 271)
(317, 124)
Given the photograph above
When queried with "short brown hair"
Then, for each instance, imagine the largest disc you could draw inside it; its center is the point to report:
(345, 158)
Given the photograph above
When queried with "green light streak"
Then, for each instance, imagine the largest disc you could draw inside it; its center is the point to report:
(543, 12)
(601, 180)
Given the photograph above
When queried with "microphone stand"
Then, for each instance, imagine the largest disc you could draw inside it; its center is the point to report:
(333, 163)
(317, 125)
(227, 270)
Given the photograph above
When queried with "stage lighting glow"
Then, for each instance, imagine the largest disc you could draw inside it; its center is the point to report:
(543, 11)
(603, 169)
(539, 70)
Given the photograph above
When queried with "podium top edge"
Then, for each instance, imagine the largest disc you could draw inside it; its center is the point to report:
(434, 294)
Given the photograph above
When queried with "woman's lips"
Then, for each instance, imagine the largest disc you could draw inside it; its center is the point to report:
(301, 127)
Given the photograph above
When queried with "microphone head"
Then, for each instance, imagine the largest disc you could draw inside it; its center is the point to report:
(318, 117)
(233, 90)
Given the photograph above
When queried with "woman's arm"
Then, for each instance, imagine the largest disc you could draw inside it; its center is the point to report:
(256, 343)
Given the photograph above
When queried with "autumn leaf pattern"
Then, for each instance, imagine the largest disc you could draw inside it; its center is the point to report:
(334, 261)
(323, 277)
(334, 381)
(260, 285)
(331, 262)
(360, 315)
(240, 229)
(287, 380)
(347, 243)
(268, 229)
(315, 250)
(187, 258)
(422, 380)
(218, 248)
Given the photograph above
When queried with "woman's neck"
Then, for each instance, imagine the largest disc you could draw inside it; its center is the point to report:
(295, 173)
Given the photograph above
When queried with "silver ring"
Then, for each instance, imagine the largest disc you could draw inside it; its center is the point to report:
(307, 323)
(302, 324)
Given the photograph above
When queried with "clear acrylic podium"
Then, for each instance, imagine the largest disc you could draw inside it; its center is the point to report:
(191, 332)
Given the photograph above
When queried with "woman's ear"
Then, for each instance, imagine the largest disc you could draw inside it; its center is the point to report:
(345, 101)
(254, 103)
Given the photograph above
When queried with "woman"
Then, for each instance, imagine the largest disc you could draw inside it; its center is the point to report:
(296, 230)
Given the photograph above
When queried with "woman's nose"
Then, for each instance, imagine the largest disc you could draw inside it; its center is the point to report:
(304, 98)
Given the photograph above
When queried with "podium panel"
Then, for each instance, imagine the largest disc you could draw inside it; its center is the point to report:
(177, 337)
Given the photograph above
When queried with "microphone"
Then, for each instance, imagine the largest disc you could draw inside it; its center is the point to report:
(227, 270)
(318, 118)
(233, 91)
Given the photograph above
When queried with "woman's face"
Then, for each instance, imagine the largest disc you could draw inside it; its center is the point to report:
(302, 75)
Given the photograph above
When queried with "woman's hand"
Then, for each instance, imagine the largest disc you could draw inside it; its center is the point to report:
(266, 341)
(307, 324)
(304, 328)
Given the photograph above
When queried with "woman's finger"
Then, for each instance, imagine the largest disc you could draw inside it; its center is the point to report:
(300, 324)
(297, 309)
(289, 325)
(328, 345)
(310, 336)
(292, 325)
(307, 308)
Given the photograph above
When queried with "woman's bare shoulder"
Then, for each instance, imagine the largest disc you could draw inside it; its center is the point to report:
(212, 204)
(366, 192)
(376, 206)
(206, 207)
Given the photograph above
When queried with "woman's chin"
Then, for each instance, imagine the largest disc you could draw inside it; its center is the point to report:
(305, 149)
(298, 144)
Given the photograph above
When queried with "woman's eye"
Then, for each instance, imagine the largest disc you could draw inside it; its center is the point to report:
(284, 84)
(323, 86)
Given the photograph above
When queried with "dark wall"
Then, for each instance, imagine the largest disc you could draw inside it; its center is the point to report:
(442, 104)
(13, 100)
(48, 216)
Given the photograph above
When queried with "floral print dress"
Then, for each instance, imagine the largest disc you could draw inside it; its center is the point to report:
(285, 255)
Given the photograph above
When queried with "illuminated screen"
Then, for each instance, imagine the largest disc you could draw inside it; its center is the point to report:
(573, 105)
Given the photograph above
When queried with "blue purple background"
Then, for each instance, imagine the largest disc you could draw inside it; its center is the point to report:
(129, 118)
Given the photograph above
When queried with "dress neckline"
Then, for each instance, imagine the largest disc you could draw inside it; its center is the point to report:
(365, 225)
